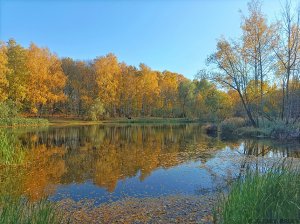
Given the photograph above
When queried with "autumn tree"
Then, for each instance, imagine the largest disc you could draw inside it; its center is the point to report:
(148, 89)
(258, 39)
(210, 104)
(81, 88)
(168, 84)
(288, 55)
(46, 79)
(4, 85)
(233, 71)
(40, 83)
(244, 64)
(129, 90)
(108, 75)
(186, 90)
(18, 72)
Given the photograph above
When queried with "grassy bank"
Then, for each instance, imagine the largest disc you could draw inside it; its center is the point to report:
(239, 127)
(146, 120)
(71, 122)
(136, 120)
(22, 211)
(263, 198)
(21, 121)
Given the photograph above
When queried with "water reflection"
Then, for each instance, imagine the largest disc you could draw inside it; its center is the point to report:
(100, 161)
(269, 148)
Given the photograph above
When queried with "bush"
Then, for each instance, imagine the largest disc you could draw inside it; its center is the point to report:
(8, 109)
(97, 111)
(258, 197)
(211, 129)
(230, 125)
(9, 116)
(280, 130)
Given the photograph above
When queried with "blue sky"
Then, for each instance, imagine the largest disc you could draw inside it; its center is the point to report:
(175, 35)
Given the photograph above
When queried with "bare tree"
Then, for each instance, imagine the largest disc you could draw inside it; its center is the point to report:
(287, 52)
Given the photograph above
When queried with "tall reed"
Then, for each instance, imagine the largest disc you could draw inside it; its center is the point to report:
(11, 152)
(21, 211)
(269, 197)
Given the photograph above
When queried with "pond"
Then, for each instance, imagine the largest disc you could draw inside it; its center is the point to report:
(111, 162)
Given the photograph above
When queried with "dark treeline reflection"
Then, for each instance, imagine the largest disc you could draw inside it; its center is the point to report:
(270, 148)
(107, 154)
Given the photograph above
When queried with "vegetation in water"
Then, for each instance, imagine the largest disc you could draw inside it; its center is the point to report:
(257, 197)
(11, 152)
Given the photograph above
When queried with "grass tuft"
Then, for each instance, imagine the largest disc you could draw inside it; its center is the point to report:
(11, 153)
(266, 197)
(21, 211)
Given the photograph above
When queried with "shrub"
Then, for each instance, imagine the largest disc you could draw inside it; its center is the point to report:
(230, 125)
(97, 111)
(210, 129)
(280, 130)
(8, 109)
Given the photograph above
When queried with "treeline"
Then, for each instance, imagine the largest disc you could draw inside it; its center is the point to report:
(36, 82)
(256, 76)
(262, 67)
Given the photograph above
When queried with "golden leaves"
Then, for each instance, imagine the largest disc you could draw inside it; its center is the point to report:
(46, 79)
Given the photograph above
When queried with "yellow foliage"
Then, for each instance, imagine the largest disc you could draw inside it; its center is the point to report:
(3, 72)
(108, 77)
(46, 80)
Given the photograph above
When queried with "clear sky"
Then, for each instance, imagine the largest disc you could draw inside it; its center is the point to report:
(175, 35)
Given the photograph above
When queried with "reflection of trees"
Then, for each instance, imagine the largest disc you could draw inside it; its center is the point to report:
(253, 157)
(43, 168)
(270, 148)
(265, 148)
(128, 150)
(107, 154)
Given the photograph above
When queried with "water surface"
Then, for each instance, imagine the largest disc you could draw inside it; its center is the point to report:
(110, 162)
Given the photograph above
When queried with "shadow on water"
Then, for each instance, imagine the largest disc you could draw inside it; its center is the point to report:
(115, 161)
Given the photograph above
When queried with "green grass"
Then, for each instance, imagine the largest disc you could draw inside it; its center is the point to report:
(261, 197)
(146, 120)
(253, 132)
(238, 127)
(11, 153)
(71, 122)
(21, 121)
(21, 211)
